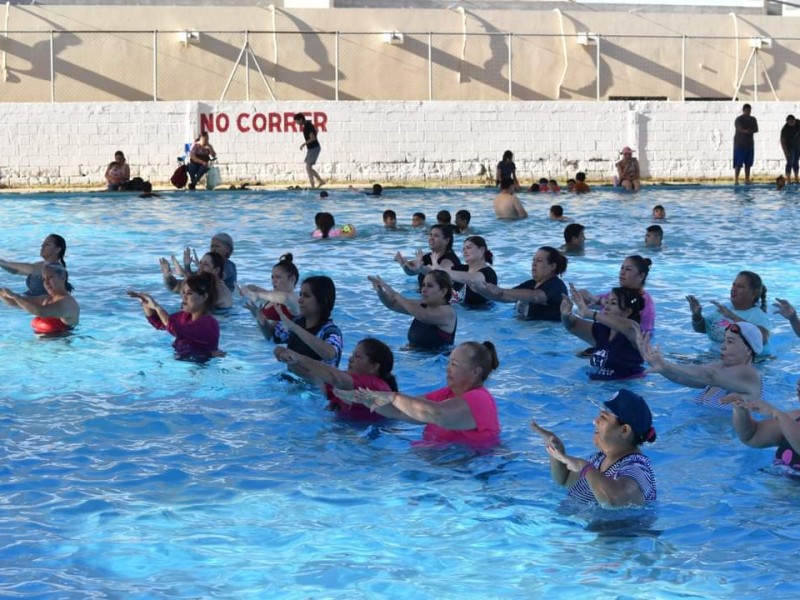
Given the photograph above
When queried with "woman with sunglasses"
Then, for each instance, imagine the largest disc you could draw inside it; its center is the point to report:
(733, 372)
(618, 474)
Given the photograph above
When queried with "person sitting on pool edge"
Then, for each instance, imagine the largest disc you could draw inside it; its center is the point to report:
(628, 176)
(618, 474)
(463, 412)
(574, 238)
(55, 311)
(370, 367)
(654, 236)
(506, 204)
(780, 430)
(196, 331)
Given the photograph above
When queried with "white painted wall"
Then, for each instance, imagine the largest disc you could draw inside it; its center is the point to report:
(70, 144)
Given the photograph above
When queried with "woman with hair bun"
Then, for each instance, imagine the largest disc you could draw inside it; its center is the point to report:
(748, 302)
(612, 332)
(475, 271)
(633, 276)
(52, 251)
(370, 367)
(267, 305)
(618, 474)
(462, 412)
(538, 299)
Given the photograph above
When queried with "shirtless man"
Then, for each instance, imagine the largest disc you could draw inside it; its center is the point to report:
(506, 204)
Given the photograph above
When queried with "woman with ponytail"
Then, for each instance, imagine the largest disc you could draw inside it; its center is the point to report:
(370, 367)
(462, 412)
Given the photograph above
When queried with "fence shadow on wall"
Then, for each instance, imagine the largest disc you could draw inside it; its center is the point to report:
(311, 65)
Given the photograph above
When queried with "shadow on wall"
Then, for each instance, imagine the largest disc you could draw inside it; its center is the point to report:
(40, 69)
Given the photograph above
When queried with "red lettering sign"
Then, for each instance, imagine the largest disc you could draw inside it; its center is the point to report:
(260, 122)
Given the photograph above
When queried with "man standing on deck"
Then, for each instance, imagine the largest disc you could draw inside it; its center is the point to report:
(743, 147)
(312, 148)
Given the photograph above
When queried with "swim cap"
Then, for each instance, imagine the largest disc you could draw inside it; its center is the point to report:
(347, 229)
(750, 333)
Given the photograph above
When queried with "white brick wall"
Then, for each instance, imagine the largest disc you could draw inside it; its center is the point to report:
(401, 142)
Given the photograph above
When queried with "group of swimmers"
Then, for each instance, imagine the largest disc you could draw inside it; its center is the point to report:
(617, 325)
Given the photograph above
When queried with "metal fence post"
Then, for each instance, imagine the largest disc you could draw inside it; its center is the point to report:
(597, 74)
(155, 65)
(52, 68)
(247, 65)
(430, 65)
(510, 66)
(683, 69)
(336, 64)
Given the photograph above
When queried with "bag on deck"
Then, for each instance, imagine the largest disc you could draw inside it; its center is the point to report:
(213, 178)
(180, 177)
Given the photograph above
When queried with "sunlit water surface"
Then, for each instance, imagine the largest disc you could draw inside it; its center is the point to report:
(126, 473)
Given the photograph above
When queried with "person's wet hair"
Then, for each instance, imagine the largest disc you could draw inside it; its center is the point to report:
(324, 291)
(554, 256)
(286, 264)
(379, 353)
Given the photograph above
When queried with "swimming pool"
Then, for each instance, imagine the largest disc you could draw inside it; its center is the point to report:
(126, 473)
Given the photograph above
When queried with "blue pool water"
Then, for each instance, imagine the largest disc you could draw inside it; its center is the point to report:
(127, 474)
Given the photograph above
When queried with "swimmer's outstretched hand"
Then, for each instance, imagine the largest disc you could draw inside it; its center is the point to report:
(694, 304)
(733, 399)
(166, 270)
(651, 354)
(566, 305)
(372, 398)
(285, 355)
(285, 318)
(571, 462)
(784, 308)
(577, 298)
(725, 311)
(146, 299)
(550, 438)
(348, 396)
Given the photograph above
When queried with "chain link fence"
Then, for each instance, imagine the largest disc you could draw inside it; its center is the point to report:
(69, 66)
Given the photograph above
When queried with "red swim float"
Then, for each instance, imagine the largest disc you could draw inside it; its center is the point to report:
(49, 325)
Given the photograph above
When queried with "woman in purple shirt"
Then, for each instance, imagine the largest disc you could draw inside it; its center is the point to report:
(196, 331)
